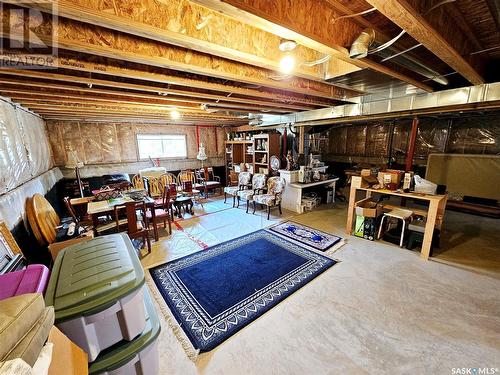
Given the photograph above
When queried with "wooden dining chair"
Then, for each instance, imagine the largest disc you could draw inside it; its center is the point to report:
(186, 180)
(163, 212)
(135, 228)
(138, 182)
(72, 213)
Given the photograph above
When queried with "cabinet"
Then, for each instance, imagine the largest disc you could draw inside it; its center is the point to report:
(237, 152)
(265, 146)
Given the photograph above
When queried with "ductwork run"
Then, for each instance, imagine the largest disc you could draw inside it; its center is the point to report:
(359, 49)
(487, 96)
(368, 37)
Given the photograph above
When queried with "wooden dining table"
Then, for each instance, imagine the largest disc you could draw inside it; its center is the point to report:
(100, 208)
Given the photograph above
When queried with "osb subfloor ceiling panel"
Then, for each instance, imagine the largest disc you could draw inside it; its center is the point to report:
(207, 62)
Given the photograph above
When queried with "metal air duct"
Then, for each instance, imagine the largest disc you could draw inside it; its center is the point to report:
(360, 48)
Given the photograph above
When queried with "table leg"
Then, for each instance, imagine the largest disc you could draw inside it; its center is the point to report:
(190, 205)
(350, 210)
(95, 222)
(429, 229)
(155, 227)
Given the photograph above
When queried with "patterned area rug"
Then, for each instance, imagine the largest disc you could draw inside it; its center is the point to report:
(306, 235)
(216, 292)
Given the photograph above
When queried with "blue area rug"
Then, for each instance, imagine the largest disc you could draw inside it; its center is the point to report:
(306, 235)
(216, 292)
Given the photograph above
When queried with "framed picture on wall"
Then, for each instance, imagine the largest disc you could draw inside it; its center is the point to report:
(8, 245)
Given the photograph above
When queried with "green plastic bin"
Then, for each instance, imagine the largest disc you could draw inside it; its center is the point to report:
(96, 288)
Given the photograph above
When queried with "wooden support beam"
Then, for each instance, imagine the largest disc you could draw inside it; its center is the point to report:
(94, 40)
(294, 20)
(450, 50)
(190, 26)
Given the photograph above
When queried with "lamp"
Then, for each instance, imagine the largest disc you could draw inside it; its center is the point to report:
(201, 154)
(75, 163)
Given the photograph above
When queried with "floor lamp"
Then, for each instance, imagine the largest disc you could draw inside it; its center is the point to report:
(74, 163)
(202, 156)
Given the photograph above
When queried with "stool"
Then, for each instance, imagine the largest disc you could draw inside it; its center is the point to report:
(397, 213)
(416, 236)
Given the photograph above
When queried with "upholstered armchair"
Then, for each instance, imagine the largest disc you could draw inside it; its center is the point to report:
(258, 187)
(275, 187)
(243, 183)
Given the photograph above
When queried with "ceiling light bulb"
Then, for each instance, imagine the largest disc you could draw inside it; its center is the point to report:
(287, 64)
(287, 45)
(175, 115)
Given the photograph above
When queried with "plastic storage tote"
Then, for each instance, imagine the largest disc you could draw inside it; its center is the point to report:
(96, 289)
(33, 279)
(137, 357)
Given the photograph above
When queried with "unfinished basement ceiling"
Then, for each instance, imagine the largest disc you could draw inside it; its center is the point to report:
(216, 62)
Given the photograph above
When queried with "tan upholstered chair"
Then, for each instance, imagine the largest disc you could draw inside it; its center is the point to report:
(258, 186)
(275, 187)
(243, 183)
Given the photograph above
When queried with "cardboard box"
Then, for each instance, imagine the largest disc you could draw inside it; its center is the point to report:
(366, 172)
(393, 174)
(358, 182)
(67, 357)
(367, 208)
(56, 247)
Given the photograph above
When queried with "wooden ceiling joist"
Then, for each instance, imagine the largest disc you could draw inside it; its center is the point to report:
(290, 19)
(122, 94)
(112, 69)
(24, 97)
(94, 40)
(189, 25)
(449, 50)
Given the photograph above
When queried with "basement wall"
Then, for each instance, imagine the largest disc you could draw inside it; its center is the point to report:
(107, 148)
(26, 168)
(371, 142)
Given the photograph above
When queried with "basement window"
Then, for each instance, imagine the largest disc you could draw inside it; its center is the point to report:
(161, 146)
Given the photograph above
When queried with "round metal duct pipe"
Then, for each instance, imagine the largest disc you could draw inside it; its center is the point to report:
(359, 48)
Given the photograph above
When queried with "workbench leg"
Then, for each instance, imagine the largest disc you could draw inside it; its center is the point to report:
(429, 229)
(350, 211)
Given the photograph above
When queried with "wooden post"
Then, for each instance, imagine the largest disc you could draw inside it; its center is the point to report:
(284, 150)
(411, 145)
(301, 140)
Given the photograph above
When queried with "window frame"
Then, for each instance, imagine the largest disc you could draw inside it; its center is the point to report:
(184, 136)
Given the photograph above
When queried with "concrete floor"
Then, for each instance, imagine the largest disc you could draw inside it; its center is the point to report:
(380, 310)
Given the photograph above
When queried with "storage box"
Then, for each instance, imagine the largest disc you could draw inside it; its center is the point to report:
(67, 358)
(394, 175)
(56, 247)
(33, 279)
(367, 208)
(137, 357)
(96, 289)
(358, 182)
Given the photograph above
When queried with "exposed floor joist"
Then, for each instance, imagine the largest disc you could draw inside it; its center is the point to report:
(78, 37)
(170, 97)
(289, 20)
(408, 18)
(192, 26)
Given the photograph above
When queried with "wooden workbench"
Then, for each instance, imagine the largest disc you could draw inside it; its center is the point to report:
(434, 213)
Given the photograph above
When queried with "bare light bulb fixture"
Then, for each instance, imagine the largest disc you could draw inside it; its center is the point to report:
(287, 64)
(175, 115)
